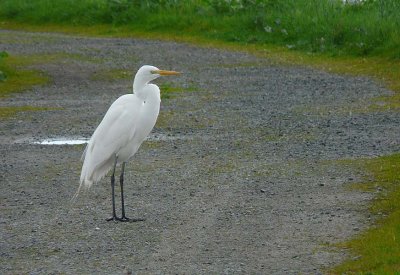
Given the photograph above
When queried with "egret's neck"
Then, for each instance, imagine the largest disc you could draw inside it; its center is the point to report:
(138, 84)
(148, 92)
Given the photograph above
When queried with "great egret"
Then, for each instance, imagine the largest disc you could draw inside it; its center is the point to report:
(119, 135)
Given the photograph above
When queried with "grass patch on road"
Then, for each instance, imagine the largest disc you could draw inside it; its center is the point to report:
(15, 78)
(16, 74)
(6, 112)
(377, 250)
(169, 90)
(112, 75)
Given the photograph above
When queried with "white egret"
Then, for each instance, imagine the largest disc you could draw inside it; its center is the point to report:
(119, 135)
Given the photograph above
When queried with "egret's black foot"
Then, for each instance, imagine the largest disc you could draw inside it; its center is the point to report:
(113, 218)
(125, 219)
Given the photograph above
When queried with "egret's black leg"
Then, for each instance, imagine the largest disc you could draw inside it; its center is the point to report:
(114, 215)
(121, 181)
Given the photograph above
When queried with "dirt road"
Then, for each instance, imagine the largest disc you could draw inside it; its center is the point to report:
(243, 172)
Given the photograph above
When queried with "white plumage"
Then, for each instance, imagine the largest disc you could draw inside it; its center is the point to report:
(127, 123)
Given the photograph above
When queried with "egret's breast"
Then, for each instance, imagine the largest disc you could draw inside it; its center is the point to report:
(145, 117)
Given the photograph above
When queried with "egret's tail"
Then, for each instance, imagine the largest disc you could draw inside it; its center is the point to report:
(92, 172)
(85, 180)
(86, 184)
(82, 184)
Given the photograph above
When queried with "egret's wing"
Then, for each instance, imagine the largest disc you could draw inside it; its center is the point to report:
(113, 133)
(115, 129)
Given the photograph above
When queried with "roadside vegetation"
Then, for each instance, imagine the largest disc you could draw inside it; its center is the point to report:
(370, 28)
(377, 250)
(362, 38)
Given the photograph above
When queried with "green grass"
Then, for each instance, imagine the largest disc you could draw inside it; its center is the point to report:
(384, 70)
(168, 90)
(16, 79)
(377, 250)
(112, 75)
(359, 39)
(16, 75)
(324, 26)
(6, 112)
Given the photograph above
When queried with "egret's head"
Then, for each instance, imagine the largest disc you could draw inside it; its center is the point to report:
(148, 73)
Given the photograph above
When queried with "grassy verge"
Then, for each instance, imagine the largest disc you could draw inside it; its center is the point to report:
(385, 71)
(361, 38)
(324, 26)
(377, 250)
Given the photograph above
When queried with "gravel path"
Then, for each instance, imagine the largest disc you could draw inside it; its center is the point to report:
(243, 172)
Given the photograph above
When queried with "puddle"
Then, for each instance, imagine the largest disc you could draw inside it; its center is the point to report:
(82, 140)
(62, 141)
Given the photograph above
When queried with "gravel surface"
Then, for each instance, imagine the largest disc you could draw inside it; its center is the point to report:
(242, 174)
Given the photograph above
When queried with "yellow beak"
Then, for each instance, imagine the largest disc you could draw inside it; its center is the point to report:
(163, 72)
